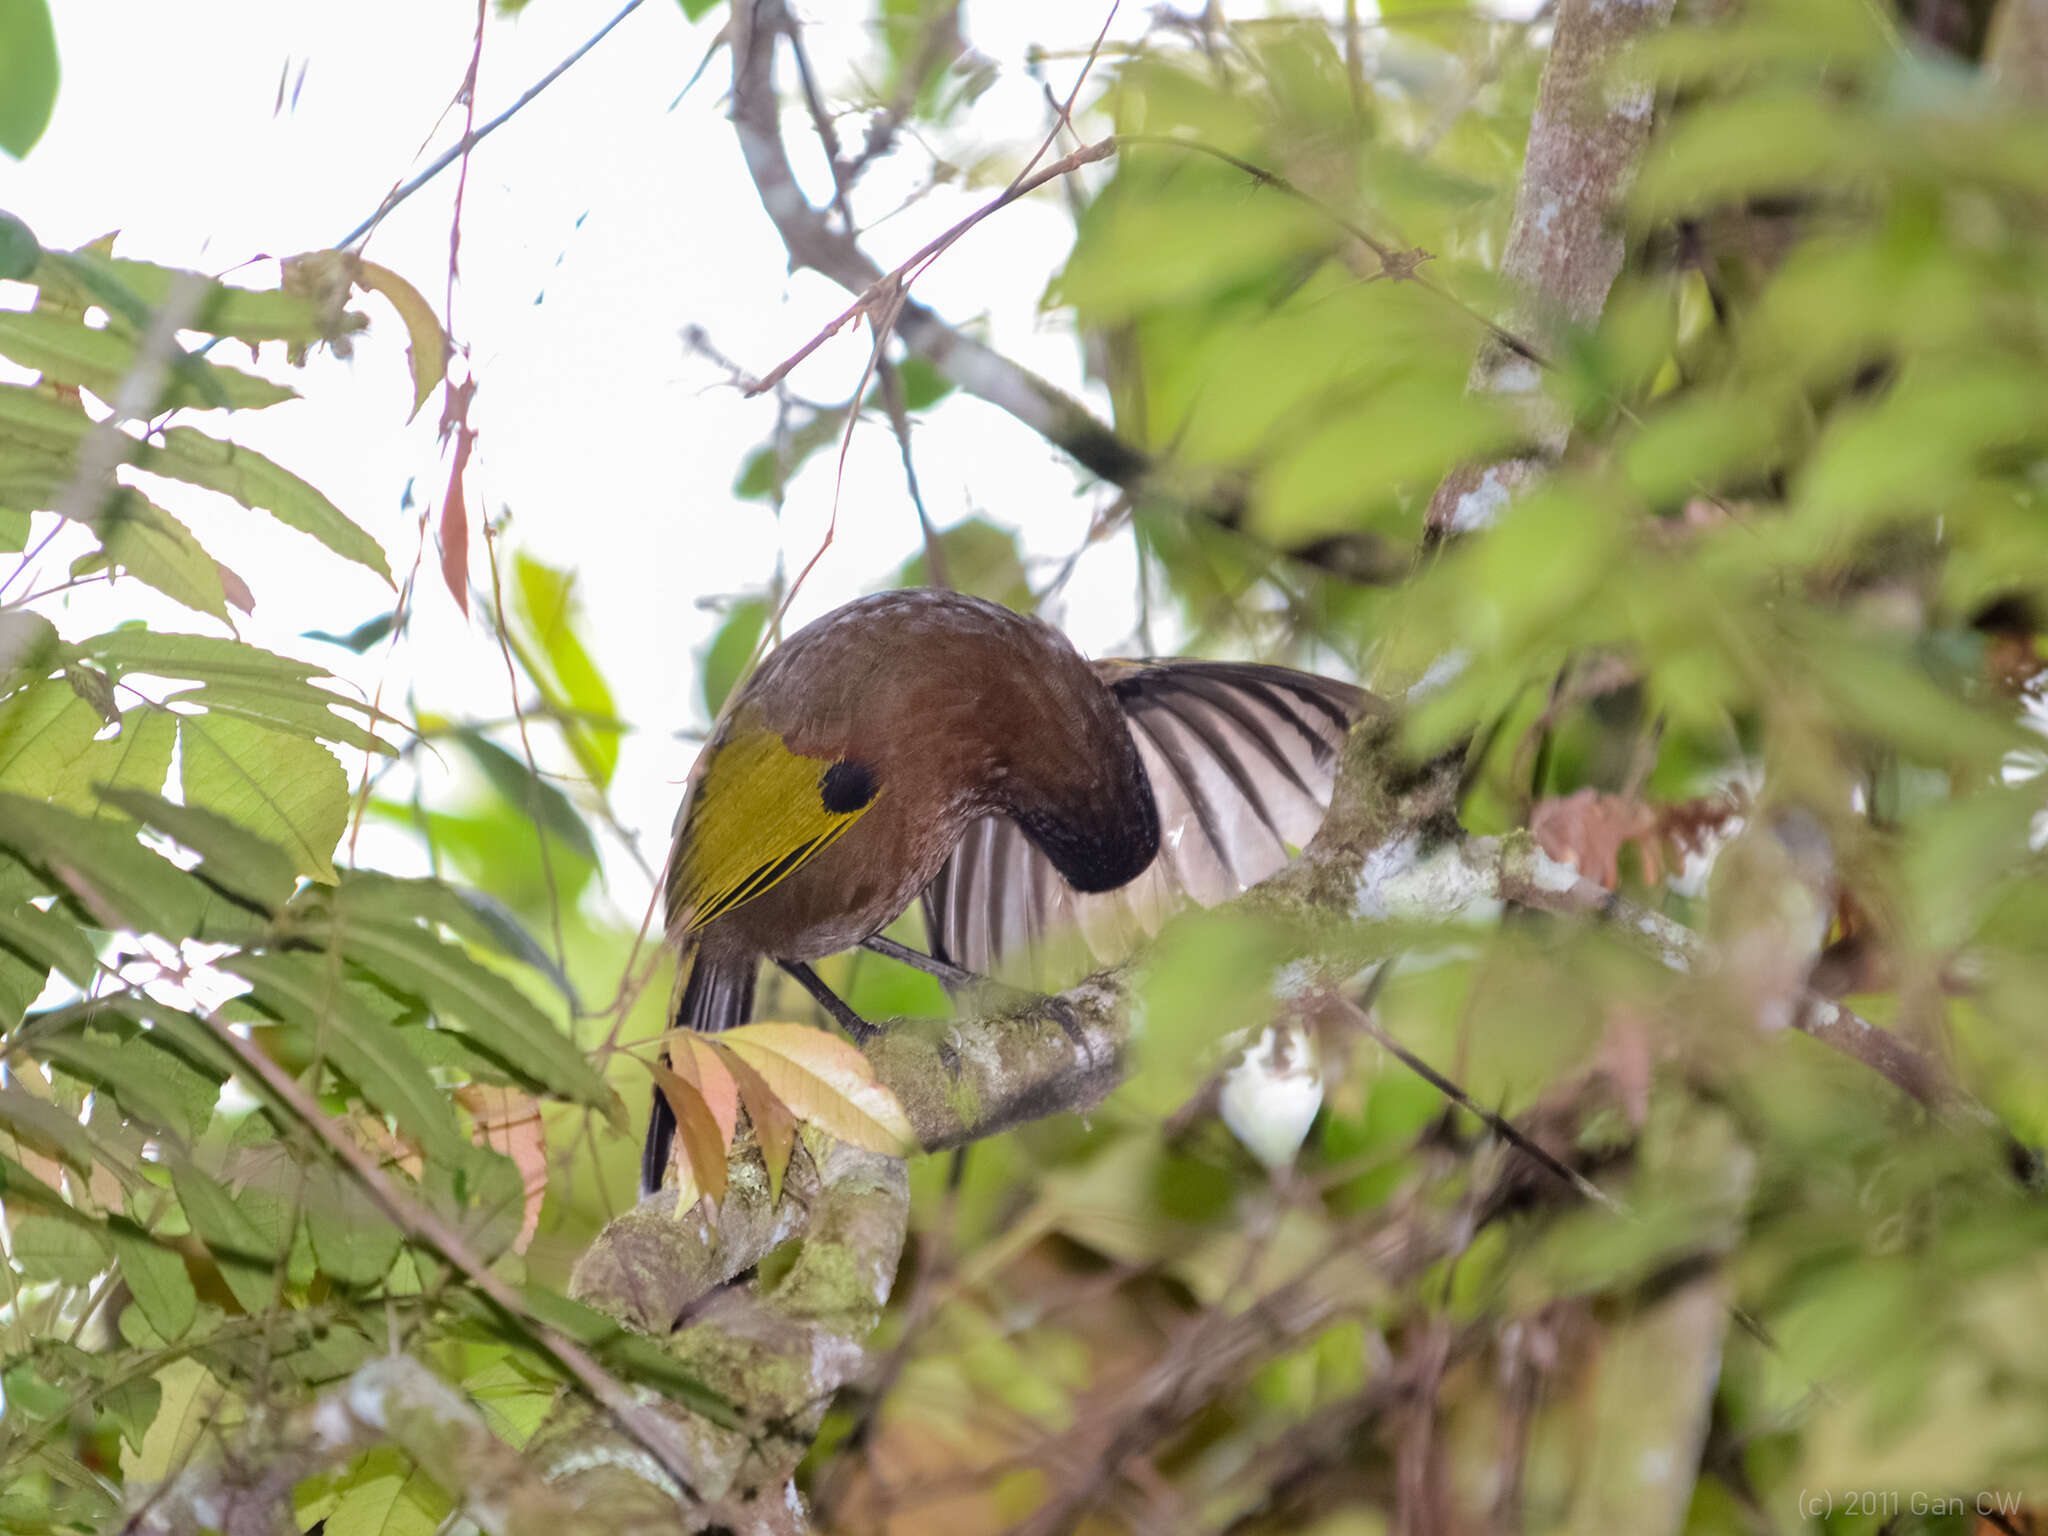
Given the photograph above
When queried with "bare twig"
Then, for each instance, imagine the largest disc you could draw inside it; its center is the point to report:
(475, 136)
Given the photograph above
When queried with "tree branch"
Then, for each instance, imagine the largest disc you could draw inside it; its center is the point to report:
(1564, 249)
(392, 1400)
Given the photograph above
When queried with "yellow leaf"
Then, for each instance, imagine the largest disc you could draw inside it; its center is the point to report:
(508, 1121)
(427, 353)
(774, 1125)
(825, 1081)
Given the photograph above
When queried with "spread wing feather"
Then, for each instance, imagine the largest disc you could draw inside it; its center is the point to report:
(1242, 758)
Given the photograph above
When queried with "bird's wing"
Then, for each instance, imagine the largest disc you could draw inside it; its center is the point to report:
(756, 813)
(1241, 757)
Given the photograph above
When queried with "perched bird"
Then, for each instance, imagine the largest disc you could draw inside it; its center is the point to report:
(925, 743)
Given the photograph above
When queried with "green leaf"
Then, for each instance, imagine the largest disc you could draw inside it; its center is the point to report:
(156, 1278)
(49, 940)
(290, 791)
(526, 791)
(231, 856)
(19, 250)
(131, 1407)
(363, 636)
(256, 482)
(547, 604)
(33, 418)
(67, 1250)
(385, 1495)
(44, 729)
(980, 558)
(133, 289)
(354, 1241)
(47, 1128)
(19, 1185)
(247, 1259)
(141, 538)
(201, 658)
(731, 649)
(139, 757)
(301, 711)
(64, 350)
(345, 1029)
(151, 1079)
(362, 924)
(115, 878)
(28, 74)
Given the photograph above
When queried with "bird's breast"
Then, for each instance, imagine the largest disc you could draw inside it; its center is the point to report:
(863, 882)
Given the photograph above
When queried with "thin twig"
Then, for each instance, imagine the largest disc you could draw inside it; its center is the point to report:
(1502, 1127)
(476, 136)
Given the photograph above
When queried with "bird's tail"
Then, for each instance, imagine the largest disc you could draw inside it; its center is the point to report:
(717, 994)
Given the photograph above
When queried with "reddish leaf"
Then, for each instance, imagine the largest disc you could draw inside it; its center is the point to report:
(235, 590)
(454, 514)
(508, 1121)
(692, 1059)
(699, 1145)
(1588, 829)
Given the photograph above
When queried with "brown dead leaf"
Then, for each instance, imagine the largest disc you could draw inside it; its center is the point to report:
(1588, 829)
(508, 1121)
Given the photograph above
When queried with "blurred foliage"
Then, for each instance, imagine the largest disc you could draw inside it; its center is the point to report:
(1778, 605)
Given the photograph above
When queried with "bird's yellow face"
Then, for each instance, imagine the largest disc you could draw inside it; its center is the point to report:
(757, 812)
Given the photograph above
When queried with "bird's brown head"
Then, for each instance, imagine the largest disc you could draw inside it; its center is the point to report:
(1068, 772)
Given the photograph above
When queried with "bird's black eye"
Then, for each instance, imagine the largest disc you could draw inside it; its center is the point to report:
(847, 786)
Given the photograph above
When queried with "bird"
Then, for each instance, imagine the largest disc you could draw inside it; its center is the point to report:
(925, 745)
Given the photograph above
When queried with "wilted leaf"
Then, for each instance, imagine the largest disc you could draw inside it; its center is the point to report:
(825, 1082)
(454, 525)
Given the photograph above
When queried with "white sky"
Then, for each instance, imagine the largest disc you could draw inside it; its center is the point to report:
(598, 224)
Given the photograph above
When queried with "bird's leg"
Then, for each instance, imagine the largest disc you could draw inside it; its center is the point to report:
(951, 975)
(947, 973)
(856, 1026)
